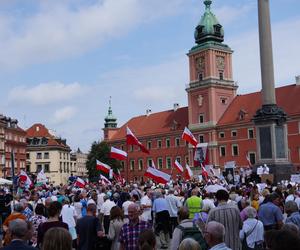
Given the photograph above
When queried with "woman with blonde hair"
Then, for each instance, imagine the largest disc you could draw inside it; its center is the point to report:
(57, 238)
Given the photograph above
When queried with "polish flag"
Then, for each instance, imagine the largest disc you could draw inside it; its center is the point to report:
(178, 166)
(118, 154)
(79, 183)
(132, 140)
(102, 167)
(24, 177)
(248, 160)
(188, 136)
(189, 172)
(156, 175)
(204, 172)
(104, 180)
(118, 176)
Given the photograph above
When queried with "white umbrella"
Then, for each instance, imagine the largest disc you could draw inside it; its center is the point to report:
(214, 188)
(4, 181)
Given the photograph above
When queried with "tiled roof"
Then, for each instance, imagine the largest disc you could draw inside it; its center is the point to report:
(155, 123)
(287, 97)
(39, 131)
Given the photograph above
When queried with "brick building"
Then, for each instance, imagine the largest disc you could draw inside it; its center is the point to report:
(215, 113)
(12, 139)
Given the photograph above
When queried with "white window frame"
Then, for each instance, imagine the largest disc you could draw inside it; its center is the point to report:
(177, 139)
(199, 138)
(222, 133)
(199, 118)
(250, 129)
(232, 150)
(132, 165)
(232, 131)
(220, 151)
(251, 152)
(168, 158)
(162, 163)
(140, 168)
(168, 139)
(159, 141)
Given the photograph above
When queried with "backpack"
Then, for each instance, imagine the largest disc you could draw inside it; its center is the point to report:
(194, 233)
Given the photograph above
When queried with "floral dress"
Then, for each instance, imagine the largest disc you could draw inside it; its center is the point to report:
(36, 220)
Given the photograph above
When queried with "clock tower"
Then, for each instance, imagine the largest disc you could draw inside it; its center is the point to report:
(211, 88)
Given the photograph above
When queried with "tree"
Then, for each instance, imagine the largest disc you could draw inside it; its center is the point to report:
(99, 151)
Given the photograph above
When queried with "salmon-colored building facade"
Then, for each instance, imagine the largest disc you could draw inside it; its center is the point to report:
(215, 114)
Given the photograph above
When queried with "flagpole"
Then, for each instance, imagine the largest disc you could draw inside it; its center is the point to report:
(12, 158)
(127, 163)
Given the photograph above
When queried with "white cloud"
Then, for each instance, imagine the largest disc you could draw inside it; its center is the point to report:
(63, 115)
(246, 63)
(59, 29)
(45, 93)
(230, 13)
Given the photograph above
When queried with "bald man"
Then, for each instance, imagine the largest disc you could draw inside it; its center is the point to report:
(130, 231)
(214, 235)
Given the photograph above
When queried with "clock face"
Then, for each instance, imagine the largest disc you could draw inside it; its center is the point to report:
(220, 60)
(200, 63)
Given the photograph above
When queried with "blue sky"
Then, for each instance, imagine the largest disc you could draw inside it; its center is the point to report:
(60, 60)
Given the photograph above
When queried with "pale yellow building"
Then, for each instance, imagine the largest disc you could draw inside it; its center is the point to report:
(48, 152)
(78, 163)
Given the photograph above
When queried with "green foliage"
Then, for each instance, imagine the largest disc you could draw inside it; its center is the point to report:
(99, 151)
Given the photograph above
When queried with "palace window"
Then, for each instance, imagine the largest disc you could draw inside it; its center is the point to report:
(149, 162)
(221, 135)
(46, 168)
(131, 165)
(221, 75)
(233, 133)
(141, 164)
(168, 144)
(159, 144)
(149, 144)
(235, 150)
(169, 162)
(46, 155)
(250, 133)
(222, 151)
(201, 138)
(252, 157)
(201, 118)
(159, 163)
(177, 142)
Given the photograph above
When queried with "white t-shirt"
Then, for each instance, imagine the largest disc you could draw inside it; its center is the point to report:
(100, 200)
(126, 205)
(68, 212)
(146, 215)
(106, 207)
(78, 208)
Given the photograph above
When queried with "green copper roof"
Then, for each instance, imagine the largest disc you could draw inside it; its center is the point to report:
(209, 28)
(110, 119)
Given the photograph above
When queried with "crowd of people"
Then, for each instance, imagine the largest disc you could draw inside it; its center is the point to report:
(178, 215)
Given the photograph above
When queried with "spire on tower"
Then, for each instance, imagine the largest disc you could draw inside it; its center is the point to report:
(110, 120)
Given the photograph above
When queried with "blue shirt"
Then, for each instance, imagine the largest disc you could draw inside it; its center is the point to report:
(160, 204)
(269, 214)
(294, 218)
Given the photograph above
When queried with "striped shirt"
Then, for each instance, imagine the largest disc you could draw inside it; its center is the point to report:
(229, 216)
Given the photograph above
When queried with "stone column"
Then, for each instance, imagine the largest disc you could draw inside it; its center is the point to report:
(270, 120)
(266, 54)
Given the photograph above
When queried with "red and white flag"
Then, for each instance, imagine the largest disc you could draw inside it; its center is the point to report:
(118, 154)
(178, 166)
(157, 175)
(248, 160)
(118, 176)
(189, 172)
(24, 177)
(189, 137)
(204, 172)
(102, 167)
(79, 183)
(104, 180)
(132, 140)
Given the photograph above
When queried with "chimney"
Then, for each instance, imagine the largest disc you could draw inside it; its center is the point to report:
(148, 112)
(176, 106)
(298, 80)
